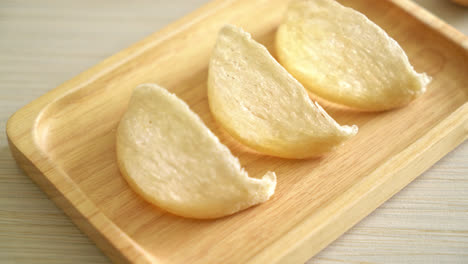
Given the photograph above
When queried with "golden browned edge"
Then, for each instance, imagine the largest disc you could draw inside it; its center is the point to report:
(296, 245)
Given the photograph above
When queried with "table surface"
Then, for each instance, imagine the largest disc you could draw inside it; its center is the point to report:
(44, 43)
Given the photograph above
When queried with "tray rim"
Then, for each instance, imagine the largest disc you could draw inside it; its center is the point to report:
(445, 136)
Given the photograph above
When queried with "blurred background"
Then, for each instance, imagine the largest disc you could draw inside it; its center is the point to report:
(44, 43)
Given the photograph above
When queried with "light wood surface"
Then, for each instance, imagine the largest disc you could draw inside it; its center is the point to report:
(32, 229)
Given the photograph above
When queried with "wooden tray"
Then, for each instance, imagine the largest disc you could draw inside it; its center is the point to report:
(65, 141)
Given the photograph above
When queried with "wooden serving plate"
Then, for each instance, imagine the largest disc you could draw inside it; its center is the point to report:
(65, 141)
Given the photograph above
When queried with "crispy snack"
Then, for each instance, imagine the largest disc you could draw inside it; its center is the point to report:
(342, 56)
(260, 104)
(174, 161)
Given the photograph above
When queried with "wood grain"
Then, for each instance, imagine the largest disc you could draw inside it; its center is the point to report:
(72, 99)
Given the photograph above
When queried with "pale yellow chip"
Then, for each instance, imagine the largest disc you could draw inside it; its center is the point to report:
(174, 161)
(259, 103)
(342, 56)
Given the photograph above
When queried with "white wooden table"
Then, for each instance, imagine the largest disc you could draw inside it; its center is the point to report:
(44, 43)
